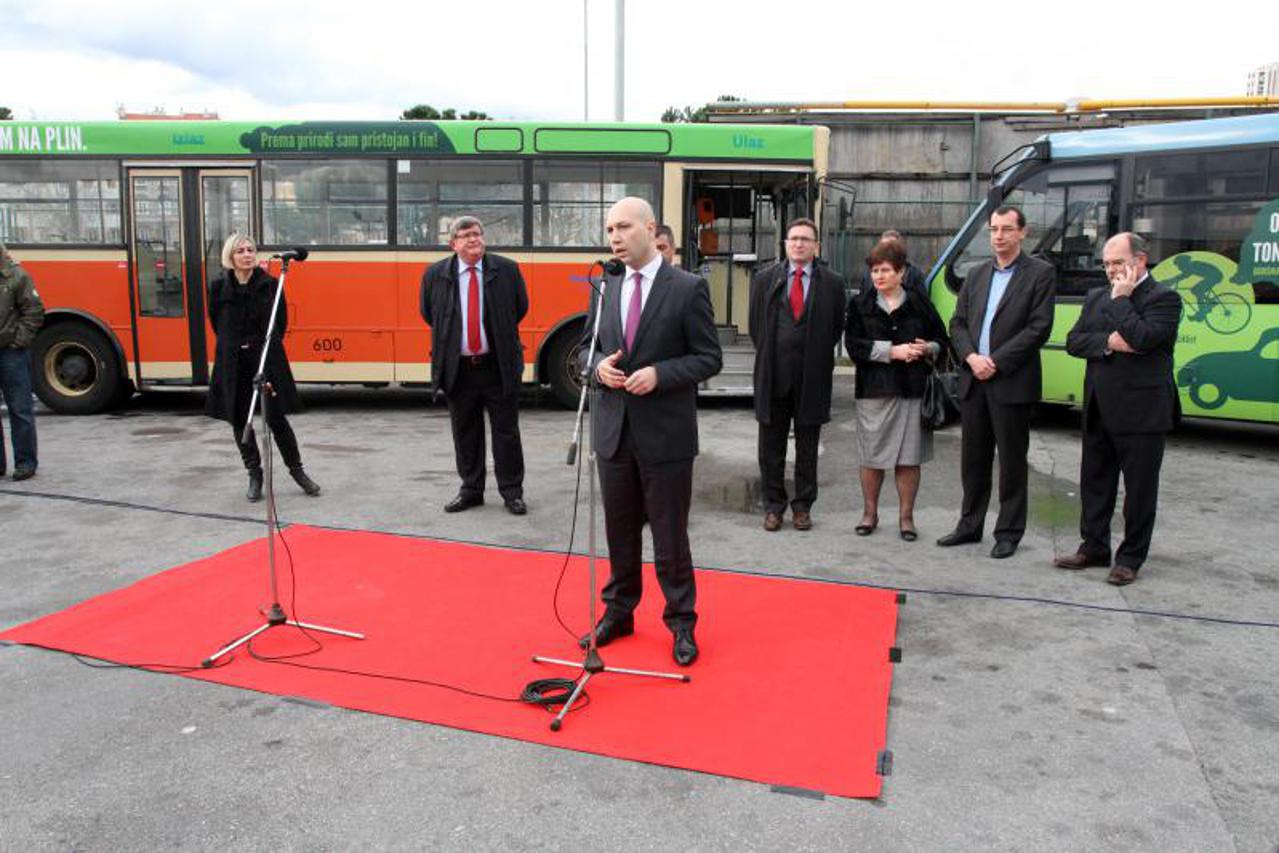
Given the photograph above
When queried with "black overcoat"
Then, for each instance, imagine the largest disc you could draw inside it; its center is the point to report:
(824, 323)
(239, 314)
(867, 322)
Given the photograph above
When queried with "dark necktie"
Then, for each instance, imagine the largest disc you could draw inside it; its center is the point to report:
(797, 294)
(634, 311)
(473, 314)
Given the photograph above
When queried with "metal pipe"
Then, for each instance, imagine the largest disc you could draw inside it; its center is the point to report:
(1259, 101)
(619, 61)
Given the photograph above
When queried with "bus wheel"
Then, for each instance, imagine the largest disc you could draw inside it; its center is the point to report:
(75, 369)
(561, 366)
(1214, 399)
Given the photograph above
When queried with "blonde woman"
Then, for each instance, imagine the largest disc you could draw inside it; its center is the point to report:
(239, 309)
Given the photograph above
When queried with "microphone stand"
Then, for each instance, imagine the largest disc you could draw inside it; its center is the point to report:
(592, 664)
(275, 615)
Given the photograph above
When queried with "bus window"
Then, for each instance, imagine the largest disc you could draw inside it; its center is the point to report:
(1176, 228)
(325, 203)
(51, 202)
(1218, 174)
(432, 193)
(1069, 216)
(571, 199)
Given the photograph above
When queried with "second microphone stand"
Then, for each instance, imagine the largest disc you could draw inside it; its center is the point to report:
(592, 664)
(275, 615)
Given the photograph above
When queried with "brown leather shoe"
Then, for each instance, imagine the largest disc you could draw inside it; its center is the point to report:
(1121, 575)
(772, 522)
(1081, 559)
(802, 520)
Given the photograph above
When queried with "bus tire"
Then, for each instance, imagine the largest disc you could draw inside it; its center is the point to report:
(561, 366)
(75, 370)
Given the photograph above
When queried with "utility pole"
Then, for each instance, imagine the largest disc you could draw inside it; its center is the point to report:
(586, 65)
(619, 60)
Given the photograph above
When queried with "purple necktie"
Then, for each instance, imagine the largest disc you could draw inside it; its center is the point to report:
(633, 313)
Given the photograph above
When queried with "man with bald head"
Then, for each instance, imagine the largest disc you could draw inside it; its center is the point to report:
(1125, 333)
(657, 343)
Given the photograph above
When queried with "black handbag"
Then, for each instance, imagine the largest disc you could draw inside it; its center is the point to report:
(940, 403)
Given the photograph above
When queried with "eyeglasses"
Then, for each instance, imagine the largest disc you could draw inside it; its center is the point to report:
(800, 240)
(1114, 265)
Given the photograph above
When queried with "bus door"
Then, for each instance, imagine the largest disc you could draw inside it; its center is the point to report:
(734, 227)
(178, 220)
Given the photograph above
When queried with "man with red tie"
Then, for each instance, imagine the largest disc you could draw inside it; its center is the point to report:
(474, 301)
(796, 321)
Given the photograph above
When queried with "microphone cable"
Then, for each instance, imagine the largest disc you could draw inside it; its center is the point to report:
(548, 693)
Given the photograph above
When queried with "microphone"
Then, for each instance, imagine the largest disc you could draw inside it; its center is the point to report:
(297, 253)
(614, 267)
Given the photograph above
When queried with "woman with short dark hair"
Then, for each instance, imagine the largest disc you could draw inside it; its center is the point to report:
(239, 309)
(892, 334)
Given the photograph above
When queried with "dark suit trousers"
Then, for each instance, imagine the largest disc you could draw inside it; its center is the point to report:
(661, 494)
(772, 457)
(478, 389)
(1138, 457)
(990, 426)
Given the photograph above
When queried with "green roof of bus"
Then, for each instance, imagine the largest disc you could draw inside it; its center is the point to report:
(405, 138)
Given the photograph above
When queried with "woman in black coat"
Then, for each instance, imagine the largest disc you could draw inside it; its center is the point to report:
(892, 334)
(239, 310)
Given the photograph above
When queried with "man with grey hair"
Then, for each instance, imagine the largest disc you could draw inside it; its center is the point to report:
(912, 276)
(474, 301)
(21, 314)
(1126, 334)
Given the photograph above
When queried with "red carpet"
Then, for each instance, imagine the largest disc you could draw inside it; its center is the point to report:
(791, 688)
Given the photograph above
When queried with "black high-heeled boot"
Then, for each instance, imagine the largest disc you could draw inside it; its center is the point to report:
(308, 485)
(254, 494)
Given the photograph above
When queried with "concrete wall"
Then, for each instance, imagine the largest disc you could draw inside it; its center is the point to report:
(923, 174)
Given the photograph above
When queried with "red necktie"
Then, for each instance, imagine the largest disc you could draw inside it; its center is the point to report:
(473, 314)
(797, 293)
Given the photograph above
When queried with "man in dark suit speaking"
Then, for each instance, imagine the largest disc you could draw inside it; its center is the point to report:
(657, 343)
(1003, 316)
(474, 301)
(1126, 333)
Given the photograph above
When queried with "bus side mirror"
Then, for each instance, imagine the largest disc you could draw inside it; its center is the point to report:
(994, 198)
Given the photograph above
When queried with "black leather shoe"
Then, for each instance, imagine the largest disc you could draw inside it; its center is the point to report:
(685, 649)
(254, 494)
(23, 473)
(610, 629)
(958, 537)
(1004, 548)
(516, 506)
(463, 501)
(308, 485)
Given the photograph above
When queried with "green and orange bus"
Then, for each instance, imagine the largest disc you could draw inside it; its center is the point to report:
(121, 226)
(1206, 193)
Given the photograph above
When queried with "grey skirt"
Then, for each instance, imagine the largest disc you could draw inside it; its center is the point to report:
(889, 433)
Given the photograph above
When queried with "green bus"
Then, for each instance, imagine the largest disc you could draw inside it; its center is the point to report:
(1206, 193)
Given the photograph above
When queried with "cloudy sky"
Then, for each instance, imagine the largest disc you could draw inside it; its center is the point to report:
(524, 60)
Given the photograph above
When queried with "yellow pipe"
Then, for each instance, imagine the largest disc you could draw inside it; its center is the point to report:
(1165, 103)
(994, 106)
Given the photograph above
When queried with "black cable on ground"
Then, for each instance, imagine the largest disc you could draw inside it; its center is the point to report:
(1052, 602)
